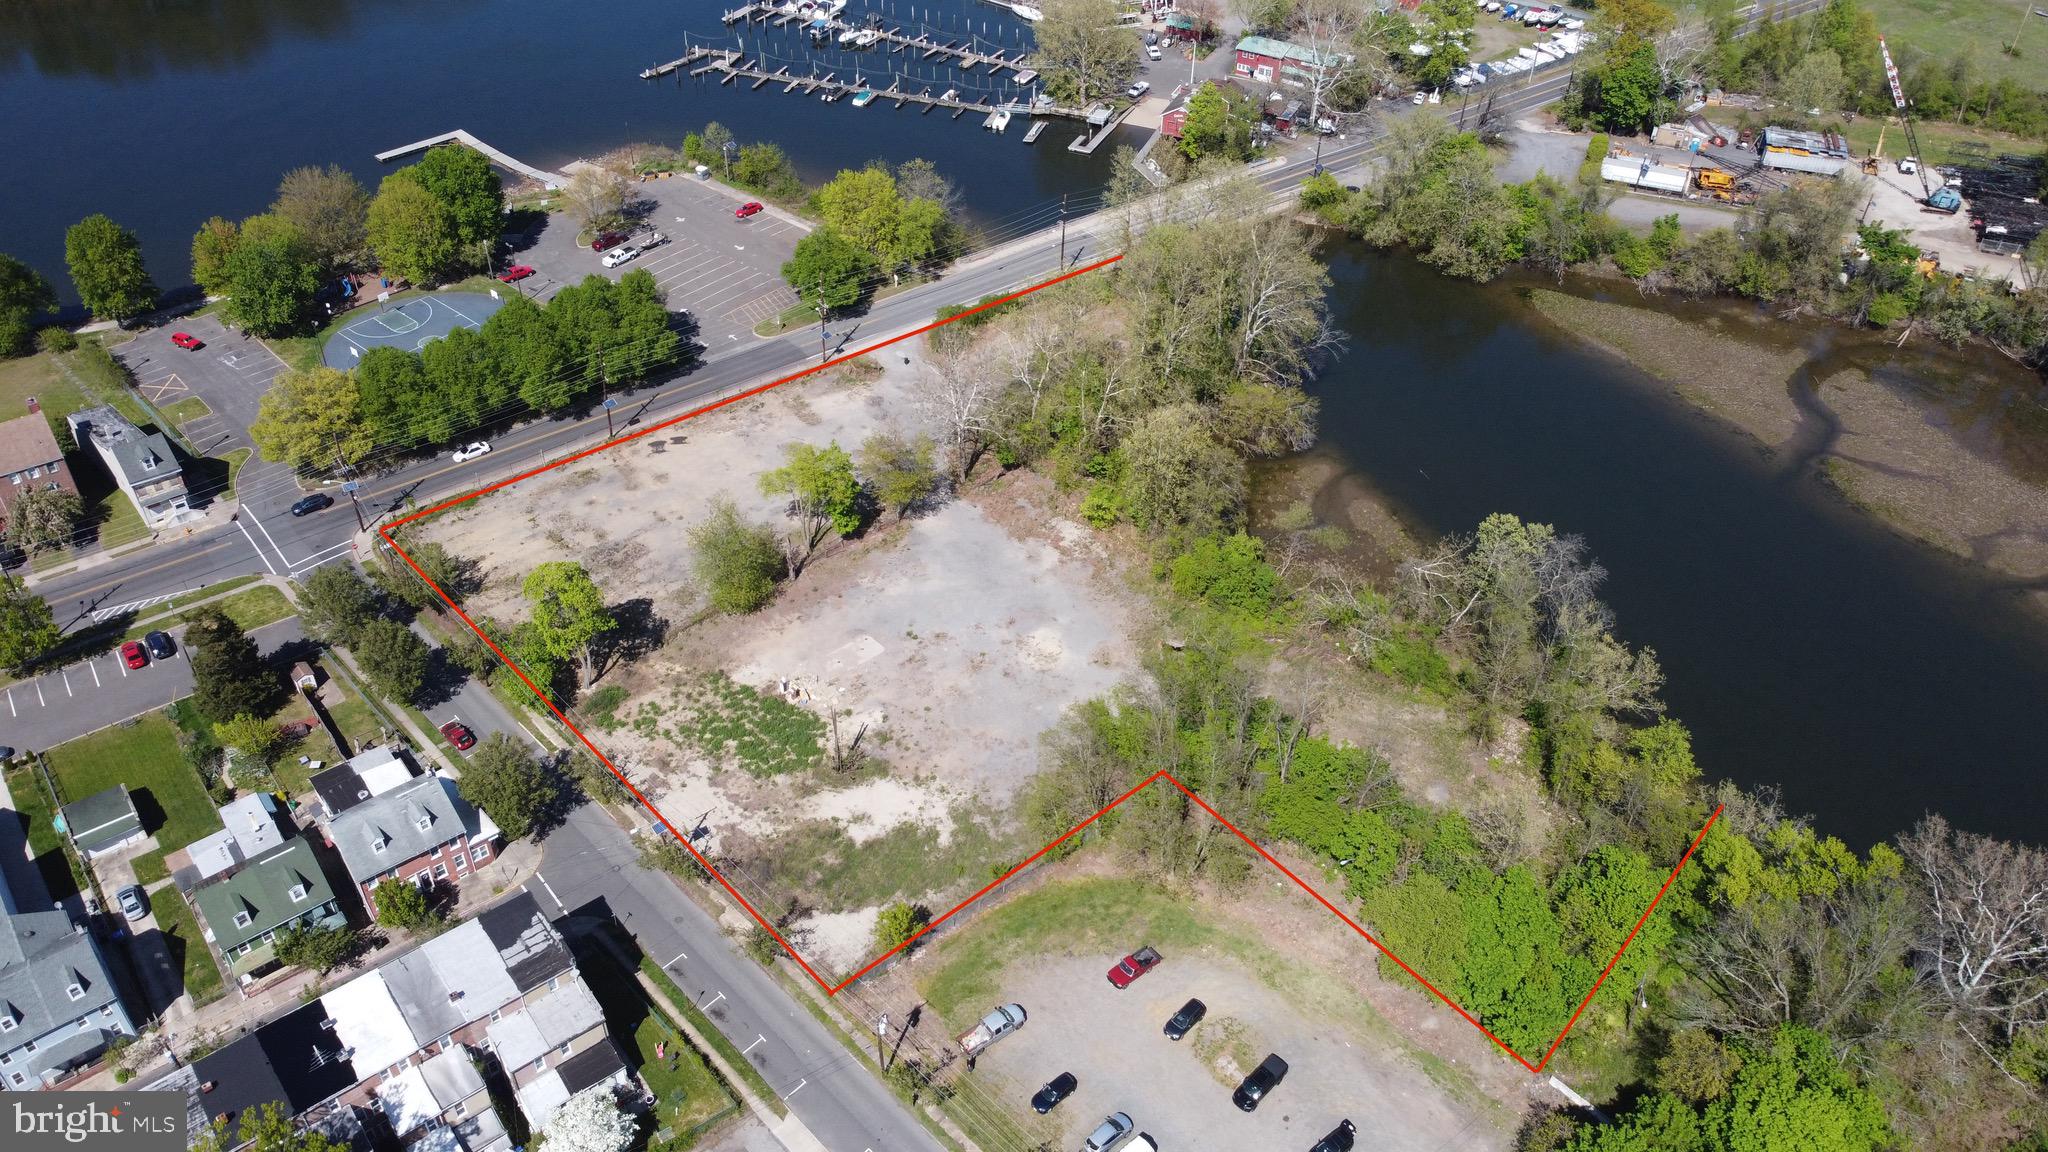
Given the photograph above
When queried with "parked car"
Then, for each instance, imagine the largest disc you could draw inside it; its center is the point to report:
(1339, 1139)
(1270, 1071)
(1056, 1089)
(159, 645)
(1152, 50)
(618, 256)
(1133, 966)
(6, 753)
(654, 240)
(1114, 1130)
(747, 209)
(993, 1027)
(188, 341)
(1183, 1021)
(308, 505)
(468, 452)
(133, 902)
(515, 273)
(458, 734)
(1145, 1140)
(607, 240)
(133, 655)
(1138, 89)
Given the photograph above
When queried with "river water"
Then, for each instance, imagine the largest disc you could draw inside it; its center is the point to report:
(163, 114)
(1804, 643)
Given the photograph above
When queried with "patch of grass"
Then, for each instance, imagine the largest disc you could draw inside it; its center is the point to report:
(710, 1032)
(180, 927)
(190, 408)
(732, 723)
(144, 755)
(51, 854)
(1225, 1048)
(688, 1093)
(150, 867)
(1942, 143)
(235, 460)
(38, 376)
(820, 860)
(602, 706)
(1979, 29)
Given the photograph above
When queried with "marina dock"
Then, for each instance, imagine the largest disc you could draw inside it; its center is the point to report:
(961, 53)
(502, 160)
(729, 66)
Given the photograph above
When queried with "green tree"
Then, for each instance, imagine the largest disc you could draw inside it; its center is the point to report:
(822, 490)
(414, 235)
(862, 205)
(719, 144)
(24, 295)
(312, 420)
(464, 182)
(1083, 53)
(457, 576)
(229, 675)
(897, 923)
(528, 353)
(1217, 125)
(643, 340)
(253, 736)
(1626, 89)
(43, 518)
(273, 275)
(393, 399)
(459, 375)
(1229, 572)
(27, 630)
(319, 949)
(902, 472)
(1814, 86)
(765, 169)
(393, 657)
(401, 904)
(569, 617)
(212, 246)
(105, 260)
(503, 777)
(330, 209)
(269, 1126)
(1177, 478)
(829, 269)
(738, 563)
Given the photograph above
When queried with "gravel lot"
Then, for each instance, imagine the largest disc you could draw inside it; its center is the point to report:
(1111, 1041)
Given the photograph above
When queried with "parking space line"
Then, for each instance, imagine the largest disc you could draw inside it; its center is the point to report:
(123, 666)
(39, 693)
(95, 666)
(65, 676)
(11, 710)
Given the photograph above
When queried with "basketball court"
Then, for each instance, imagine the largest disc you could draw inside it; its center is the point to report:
(410, 324)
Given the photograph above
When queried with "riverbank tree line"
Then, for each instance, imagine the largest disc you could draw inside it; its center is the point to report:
(1790, 992)
(591, 337)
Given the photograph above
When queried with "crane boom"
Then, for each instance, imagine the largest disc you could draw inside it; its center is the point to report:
(1891, 76)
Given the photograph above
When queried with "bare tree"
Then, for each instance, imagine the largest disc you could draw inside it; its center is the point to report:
(1356, 615)
(1282, 316)
(1330, 30)
(1681, 53)
(598, 194)
(1987, 922)
(959, 392)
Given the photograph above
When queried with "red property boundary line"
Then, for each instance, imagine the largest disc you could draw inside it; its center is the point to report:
(831, 989)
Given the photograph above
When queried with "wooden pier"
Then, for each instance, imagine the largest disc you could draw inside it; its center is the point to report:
(729, 66)
(961, 53)
(461, 136)
(1037, 127)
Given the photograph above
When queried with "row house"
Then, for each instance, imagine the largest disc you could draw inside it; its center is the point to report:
(422, 831)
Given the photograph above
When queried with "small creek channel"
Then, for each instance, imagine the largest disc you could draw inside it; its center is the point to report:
(1804, 643)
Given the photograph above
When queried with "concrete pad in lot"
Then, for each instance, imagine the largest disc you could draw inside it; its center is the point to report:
(726, 272)
(1111, 1041)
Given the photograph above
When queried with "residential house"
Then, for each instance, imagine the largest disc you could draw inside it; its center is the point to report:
(251, 825)
(141, 463)
(102, 822)
(394, 1044)
(1265, 60)
(422, 831)
(555, 1048)
(244, 911)
(30, 458)
(371, 772)
(58, 1006)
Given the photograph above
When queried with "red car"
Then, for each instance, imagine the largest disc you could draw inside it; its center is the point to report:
(747, 209)
(1133, 966)
(459, 735)
(187, 340)
(515, 273)
(607, 240)
(133, 655)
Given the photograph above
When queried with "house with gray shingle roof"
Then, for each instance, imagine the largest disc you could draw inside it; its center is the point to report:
(102, 822)
(422, 831)
(245, 910)
(142, 463)
(58, 1006)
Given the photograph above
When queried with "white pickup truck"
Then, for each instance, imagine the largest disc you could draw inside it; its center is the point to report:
(993, 1027)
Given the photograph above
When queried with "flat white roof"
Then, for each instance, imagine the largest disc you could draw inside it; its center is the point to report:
(451, 1077)
(214, 854)
(252, 821)
(517, 1041)
(469, 964)
(407, 1101)
(540, 1098)
(380, 769)
(367, 1020)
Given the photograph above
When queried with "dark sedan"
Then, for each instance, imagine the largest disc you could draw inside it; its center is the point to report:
(311, 504)
(1056, 1089)
(1183, 1021)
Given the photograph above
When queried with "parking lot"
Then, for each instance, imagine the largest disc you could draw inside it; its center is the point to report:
(727, 272)
(229, 373)
(1112, 1042)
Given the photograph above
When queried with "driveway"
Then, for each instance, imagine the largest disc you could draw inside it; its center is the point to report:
(1111, 1041)
(726, 272)
(42, 713)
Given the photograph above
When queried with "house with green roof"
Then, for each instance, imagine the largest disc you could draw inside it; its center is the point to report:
(102, 822)
(245, 910)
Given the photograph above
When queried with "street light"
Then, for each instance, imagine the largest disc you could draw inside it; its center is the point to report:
(350, 487)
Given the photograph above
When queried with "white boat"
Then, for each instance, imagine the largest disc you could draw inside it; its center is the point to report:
(831, 7)
(997, 121)
(863, 98)
(951, 94)
(866, 38)
(847, 37)
(1027, 12)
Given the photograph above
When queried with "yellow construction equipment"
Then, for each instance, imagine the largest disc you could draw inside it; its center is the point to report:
(1716, 183)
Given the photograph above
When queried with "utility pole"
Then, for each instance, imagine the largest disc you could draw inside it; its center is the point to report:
(350, 487)
(881, 1034)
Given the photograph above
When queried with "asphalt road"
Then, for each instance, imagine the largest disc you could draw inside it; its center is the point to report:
(589, 869)
(65, 704)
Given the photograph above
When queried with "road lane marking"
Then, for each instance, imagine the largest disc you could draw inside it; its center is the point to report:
(709, 1003)
(679, 956)
(123, 666)
(39, 693)
(259, 550)
(273, 541)
(793, 1091)
(11, 709)
(551, 891)
(758, 1039)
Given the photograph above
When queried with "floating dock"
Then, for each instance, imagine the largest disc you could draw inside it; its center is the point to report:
(730, 66)
(1037, 127)
(961, 53)
(460, 136)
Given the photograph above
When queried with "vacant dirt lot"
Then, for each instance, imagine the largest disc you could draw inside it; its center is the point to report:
(1180, 1092)
(945, 644)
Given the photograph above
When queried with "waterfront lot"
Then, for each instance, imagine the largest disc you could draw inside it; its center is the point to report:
(726, 272)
